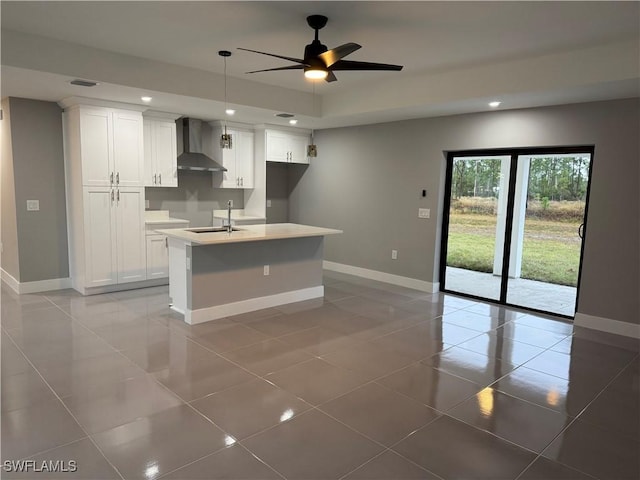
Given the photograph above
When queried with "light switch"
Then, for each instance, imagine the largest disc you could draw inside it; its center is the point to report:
(268, 203)
(33, 205)
(424, 213)
(146, 204)
(266, 270)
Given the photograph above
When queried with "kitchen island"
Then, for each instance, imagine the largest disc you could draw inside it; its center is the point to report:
(216, 274)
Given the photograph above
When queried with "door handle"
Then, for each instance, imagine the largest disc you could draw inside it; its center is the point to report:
(581, 231)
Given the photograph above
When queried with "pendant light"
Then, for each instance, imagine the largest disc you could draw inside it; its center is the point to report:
(312, 148)
(225, 139)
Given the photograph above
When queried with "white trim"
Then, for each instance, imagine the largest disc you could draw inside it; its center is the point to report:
(607, 325)
(385, 277)
(10, 280)
(235, 308)
(36, 286)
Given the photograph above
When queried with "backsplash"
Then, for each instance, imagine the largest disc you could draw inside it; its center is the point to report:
(194, 199)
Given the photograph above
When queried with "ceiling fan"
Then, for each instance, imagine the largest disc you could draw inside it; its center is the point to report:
(319, 62)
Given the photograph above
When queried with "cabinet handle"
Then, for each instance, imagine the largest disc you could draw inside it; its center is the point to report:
(118, 195)
(160, 178)
(111, 178)
(166, 242)
(242, 181)
(118, 178)
(111, 196)
(154, 178)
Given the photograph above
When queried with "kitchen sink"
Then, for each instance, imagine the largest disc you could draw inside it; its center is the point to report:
(211, 230)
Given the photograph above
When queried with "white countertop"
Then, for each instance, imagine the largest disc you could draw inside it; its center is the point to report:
(248, 233)
(155, 217)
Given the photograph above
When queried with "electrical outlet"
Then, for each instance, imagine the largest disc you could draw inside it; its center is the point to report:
(266, 270)
(188, 263)
(33, 205)
(268, 203)
(394, 254)
(424, 213)
(146, 204)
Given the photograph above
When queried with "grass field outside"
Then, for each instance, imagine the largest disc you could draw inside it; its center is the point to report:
(551, 249)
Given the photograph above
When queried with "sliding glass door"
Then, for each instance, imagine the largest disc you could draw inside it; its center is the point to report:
(476, 220)
(514, 226)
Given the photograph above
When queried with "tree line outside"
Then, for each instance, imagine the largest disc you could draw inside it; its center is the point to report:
(555, 208)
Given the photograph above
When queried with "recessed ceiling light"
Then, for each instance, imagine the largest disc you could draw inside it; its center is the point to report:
(146, 99)
(494, 104)
(229, 111)
(293, 121)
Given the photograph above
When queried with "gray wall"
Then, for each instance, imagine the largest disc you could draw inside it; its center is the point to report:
(278, 192)
(38, 170)
(367, 181)
(194, 198)
(9, 256)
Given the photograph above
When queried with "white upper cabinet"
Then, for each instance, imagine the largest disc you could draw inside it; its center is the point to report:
(96, 140)
(111, 147)
(238, 160)
(160, 153)
(286, 147)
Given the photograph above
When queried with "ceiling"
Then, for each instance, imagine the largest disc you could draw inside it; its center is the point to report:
(525, 53)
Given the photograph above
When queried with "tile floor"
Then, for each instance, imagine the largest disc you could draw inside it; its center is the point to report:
(372, 382)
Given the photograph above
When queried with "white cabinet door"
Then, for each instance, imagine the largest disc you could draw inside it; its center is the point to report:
(100, 236)
(298, 149)
(149, 161)
(128, 148)
(277, 149)
(131, 255)
(96, 138)
(245, 159)
(157, 257)
(166, 154)
(228, 159)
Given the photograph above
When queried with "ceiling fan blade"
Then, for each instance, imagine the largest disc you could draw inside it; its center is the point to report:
(290, 67)
(291, 59)
(331, 77)
(351, 65)
(332, 56)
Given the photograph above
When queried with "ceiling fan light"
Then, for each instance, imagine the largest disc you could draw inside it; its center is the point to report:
(316, 74)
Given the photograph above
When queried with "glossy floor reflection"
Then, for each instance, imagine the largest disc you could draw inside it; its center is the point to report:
(374, 381)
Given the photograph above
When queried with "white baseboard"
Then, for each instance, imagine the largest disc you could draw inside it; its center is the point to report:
(10, 280)
(37, 286)
(408, 282)
(193, 317)
(607, 325)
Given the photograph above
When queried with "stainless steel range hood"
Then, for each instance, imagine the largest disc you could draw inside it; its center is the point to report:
(192, 157)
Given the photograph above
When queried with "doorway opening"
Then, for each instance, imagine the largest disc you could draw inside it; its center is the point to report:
(514, 226)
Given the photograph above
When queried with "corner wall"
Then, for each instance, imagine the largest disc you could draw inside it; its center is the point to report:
(9, 257)
(367, 181)
(38, 168)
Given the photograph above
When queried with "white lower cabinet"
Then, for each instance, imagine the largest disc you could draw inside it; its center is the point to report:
(157, 256)
(114, 236)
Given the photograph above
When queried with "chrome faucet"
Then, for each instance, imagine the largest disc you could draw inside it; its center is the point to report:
(229, 229)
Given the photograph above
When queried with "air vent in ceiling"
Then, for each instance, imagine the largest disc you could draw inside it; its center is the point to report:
(83, 83)
(284, 115)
